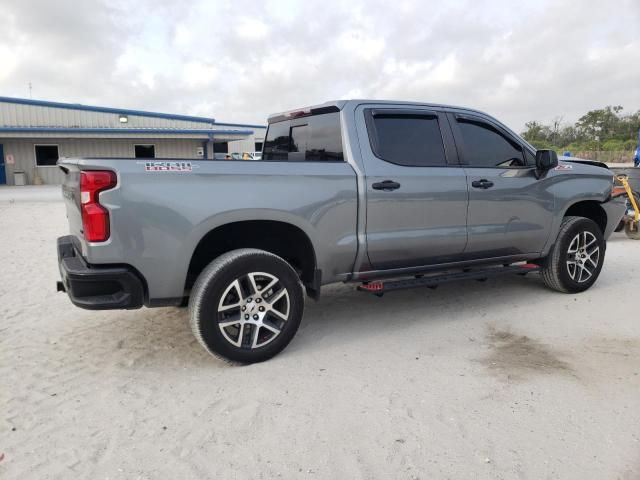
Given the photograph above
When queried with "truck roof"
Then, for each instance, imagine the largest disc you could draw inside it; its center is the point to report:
(337, 105)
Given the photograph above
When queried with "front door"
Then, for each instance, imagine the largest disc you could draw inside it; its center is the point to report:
(510, 210)
(416, 192)
(3, 174)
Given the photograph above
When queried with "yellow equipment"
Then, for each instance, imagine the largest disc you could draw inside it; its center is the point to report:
(632, 216)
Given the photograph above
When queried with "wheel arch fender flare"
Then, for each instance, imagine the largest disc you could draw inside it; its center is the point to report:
(274, 231)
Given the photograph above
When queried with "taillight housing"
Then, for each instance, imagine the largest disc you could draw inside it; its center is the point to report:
(95, 218)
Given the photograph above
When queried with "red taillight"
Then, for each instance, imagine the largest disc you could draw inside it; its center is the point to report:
(95, 218)
(299, 113)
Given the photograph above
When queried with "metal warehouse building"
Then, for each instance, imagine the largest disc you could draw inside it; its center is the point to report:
(34, 134)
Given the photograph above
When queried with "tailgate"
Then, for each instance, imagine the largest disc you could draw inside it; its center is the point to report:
(71, 195)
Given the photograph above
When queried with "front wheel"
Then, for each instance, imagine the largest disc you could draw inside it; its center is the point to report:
(576, 259)
(246, 305)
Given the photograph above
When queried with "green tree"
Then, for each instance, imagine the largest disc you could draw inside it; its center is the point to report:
(601, 129)
(599, 124)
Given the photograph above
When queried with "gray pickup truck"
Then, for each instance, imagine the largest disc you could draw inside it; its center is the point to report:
(387, 194)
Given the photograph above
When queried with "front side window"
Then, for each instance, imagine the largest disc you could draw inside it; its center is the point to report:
(411, 140)
(46, 155)
(529, 157)
(486, 147)
(145, 151)
(317, 138)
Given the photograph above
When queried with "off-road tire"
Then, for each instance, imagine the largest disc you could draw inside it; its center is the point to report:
(210, 287)
(555, 271)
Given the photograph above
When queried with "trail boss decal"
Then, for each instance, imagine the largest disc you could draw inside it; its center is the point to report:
(564, 167)
(168, 166)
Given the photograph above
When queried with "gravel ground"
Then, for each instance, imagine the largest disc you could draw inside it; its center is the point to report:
(502, 379)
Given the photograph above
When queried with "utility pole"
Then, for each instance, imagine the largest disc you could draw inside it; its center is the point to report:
(30, 90)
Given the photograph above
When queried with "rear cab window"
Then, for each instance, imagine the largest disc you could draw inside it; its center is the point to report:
(315, 138)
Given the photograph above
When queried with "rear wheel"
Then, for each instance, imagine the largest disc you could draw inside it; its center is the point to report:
(576, 259)
(246, 306)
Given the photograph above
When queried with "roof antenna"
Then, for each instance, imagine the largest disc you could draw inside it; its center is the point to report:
(30, 90)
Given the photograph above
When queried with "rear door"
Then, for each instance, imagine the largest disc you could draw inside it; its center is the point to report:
(510, 210)
(416, 192)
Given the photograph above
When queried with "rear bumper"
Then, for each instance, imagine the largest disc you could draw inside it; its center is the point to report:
(93, 287)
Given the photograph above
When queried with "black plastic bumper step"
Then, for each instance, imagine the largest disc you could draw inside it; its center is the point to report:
(379, 287)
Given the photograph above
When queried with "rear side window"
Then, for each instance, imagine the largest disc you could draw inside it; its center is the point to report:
(486, 147)
(408, 140)
(312, 139)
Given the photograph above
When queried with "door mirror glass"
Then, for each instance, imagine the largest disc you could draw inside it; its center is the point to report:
(546, 160)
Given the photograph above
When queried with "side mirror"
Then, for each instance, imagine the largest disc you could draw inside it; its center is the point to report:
(546, 160)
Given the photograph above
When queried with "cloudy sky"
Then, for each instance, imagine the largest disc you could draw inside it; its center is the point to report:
(240, 60)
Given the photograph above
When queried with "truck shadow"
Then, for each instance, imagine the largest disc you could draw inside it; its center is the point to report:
(345, 315)
(163, 337)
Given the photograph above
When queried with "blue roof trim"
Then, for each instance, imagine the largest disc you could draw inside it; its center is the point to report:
(90, 108)
(225, 124)
(124, 130)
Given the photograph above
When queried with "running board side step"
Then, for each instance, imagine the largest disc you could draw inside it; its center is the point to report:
(379, 287)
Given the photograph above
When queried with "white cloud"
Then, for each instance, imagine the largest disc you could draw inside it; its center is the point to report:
(9, 62)
(359, 45)
(510, 82)
(241, 60)
(447, 71)
(200, 74)
(251, 28)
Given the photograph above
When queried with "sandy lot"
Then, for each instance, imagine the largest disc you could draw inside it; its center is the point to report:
(502, 379)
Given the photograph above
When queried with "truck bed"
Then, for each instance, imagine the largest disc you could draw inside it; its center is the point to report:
(161, 209)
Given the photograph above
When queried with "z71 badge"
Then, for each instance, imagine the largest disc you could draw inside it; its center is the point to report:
(168, 166)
